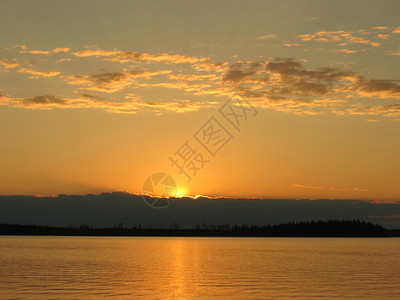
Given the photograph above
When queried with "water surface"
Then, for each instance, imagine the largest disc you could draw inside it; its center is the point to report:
(202, 268)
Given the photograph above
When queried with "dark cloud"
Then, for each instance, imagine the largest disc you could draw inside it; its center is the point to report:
(287, 79)
(237, 75)
(112, 208)
(110, 82)
(44, 100)
(305, 88)
(377, 87)
(292, 70)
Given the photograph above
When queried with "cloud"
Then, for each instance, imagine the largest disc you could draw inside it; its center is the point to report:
(192, 77)
(308, 186)
(130, 104)
(4, 99)
(287, 85)
(282, 84)
(383, 36)
(35, 52)
(376, 87)
(332, 188)
(342, 37)
(268, 36)
(25, 49)
(178, 106)
(347, 51)
(292, 70)
(381, 28)
(37, 102)
(291, 77)
(237, 75)
(125, 56)
(291, 45)
(38, 73)
(322, 36)
(95, 52)
(176, 58)
(63, 60)
(44, 100)
(194, 88)
(211, 67)
(105, 82)
(61, 50)
(287, 76)
(48, 102)
(389, 111)
(25, 67)
(129, 208)
(355, 189)
(109, 82)
(10, 63)
(396, 30)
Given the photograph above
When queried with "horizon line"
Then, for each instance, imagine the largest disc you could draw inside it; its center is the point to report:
(200, 196)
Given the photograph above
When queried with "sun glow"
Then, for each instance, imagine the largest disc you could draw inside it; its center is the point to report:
(181, 192)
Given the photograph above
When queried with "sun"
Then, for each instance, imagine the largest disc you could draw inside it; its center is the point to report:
(181, 192)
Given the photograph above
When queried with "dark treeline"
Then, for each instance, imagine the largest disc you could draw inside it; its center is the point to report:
(331, 228)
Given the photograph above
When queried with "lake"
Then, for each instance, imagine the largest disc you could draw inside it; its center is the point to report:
(198, 268)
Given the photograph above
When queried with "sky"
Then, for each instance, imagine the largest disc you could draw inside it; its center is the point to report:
(272, 99)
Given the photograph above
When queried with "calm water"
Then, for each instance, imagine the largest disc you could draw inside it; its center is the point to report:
(202, 268)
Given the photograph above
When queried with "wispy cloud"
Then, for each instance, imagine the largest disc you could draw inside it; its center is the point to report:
(288, 44)
(268, 36)
(308, 186)
(383, 36)
(95, 52)
(381, 28)
(61, 50)
(348, 51)
(396, 30)
(125, 56)
(282, 84)
(36, 73)
(26, 50)
(131, 104)
(10, 63)
(109, 82)
(340, 36)
(43, 100)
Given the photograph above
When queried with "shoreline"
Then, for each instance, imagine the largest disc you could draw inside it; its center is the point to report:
(321, 229)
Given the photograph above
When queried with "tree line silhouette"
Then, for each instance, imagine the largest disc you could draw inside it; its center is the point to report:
(330, 228)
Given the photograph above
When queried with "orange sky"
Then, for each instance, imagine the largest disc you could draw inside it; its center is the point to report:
(95, 97)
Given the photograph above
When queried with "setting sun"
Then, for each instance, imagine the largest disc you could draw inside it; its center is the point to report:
(181, 192)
